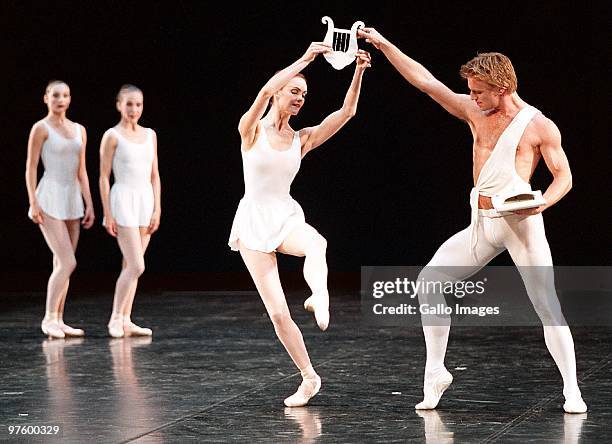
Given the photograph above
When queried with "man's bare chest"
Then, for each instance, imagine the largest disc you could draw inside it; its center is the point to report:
(488, 131)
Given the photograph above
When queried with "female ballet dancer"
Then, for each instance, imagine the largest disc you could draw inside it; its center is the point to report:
(268, 220)
(132, 208)
(56, 204)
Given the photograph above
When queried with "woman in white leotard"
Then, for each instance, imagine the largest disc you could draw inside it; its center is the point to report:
(268, 220)
(56, 204)
(132, 208)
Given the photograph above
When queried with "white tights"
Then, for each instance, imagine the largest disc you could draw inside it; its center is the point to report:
(62, 237)
(303, 241)
(525, 240)
(133, 243)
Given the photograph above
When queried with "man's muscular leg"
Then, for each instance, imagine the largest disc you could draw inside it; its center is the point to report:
(452, 262)
(526, 242)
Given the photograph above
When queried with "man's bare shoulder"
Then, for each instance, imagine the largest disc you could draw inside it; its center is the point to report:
(545, 128)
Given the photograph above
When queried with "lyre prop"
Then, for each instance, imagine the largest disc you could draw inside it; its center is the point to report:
(343, 43)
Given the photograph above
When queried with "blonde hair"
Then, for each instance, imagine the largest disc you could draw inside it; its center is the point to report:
(493, 68)
(299, 74)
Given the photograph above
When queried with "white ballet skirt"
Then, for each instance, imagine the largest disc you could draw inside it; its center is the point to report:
(132, 206)
(267, 213)
(131, 196)
(59, 193)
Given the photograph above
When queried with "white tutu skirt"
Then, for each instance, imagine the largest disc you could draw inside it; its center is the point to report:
(59, 200)
(263, 226)
(132, 206)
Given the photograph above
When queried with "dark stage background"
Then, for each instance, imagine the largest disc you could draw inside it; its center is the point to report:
(387, 190)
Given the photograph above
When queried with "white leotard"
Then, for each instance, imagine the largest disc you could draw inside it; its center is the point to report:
(59, 193)
(131, 196)
(267, 213)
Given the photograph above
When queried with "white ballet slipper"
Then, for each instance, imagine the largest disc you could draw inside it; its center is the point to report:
(307, 389)
(575, 405)
(319, 304)
(69, 331)
(52, 329)
(115, 327)
(131, 329)
(433, 390)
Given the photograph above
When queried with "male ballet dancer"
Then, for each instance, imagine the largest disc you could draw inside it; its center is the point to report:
(510, 138)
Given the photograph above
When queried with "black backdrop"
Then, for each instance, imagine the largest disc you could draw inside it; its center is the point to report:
(386, 190)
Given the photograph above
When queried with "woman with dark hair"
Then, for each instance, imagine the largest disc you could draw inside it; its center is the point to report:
(268, 220)
(132, 208)
(56, 203)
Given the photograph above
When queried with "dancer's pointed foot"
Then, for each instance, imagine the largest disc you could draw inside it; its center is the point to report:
(318, 303)
(574, 404)
(115, 327)
(52, 329)
(132, 329)
(69, 331)
(308, 388)
(433, 388)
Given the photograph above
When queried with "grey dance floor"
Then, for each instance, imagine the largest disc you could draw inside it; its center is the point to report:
(215, 372)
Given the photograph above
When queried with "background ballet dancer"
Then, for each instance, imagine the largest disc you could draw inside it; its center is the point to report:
(132, 208)
(268, 220)
(510, 138)
(56, 204)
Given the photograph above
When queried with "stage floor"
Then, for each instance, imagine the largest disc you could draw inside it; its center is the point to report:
(215, 372)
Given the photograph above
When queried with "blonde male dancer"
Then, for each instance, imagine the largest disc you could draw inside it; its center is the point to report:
(510, 138)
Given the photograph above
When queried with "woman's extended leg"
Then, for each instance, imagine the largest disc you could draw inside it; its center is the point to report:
(264, 271)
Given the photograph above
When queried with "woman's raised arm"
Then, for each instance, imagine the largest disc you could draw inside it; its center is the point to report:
(248, 122)
(316, 135)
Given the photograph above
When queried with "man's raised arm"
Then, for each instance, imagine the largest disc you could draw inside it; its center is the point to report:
(418, 76)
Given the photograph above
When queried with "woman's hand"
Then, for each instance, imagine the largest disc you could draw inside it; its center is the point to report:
(315, 49)
(37, 214)
(154, 224)
(111, 225)
(363, 59)
(88, 218)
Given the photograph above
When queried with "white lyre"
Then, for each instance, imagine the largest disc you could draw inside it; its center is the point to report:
(343, 42)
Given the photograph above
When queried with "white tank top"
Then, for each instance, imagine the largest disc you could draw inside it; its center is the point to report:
(498, 175)
(133, 162)
(268, 173)
(61, 156)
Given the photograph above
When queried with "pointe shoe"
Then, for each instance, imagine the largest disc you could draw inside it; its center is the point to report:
(575, 405)
(132, 329)
(307, 389)
(319, 305)
(52, 329)
(69, 331)
(433, 391)
(115, 328)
